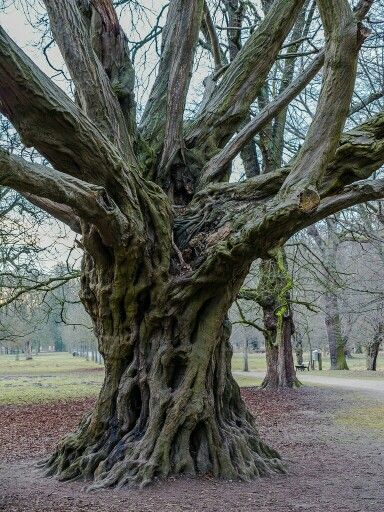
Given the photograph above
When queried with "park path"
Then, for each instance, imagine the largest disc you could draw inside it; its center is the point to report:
(374, 385)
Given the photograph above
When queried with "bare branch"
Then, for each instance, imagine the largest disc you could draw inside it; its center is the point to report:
(209, 31)
(344, 39)
(163, 115)
(93, 87)
(242, 81)
(46, 118)
(362, 8)
(61, 212)
(217, 163)
(90, 202)
(363, 103)
(356, 193)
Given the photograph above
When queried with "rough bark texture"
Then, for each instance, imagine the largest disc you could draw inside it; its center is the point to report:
(336, 341)
(273, 296)
(373, 348)
(169, 404)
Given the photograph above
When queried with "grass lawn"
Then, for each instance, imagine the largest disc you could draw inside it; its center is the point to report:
(60, 376)
(357, 366)
(370, 417)
(48, 377)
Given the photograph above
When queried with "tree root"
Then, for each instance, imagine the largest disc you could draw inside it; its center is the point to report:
(238, 454)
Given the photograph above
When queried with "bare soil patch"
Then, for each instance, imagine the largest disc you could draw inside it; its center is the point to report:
(331, 467)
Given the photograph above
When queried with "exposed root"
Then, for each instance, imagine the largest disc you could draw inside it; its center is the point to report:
(231, 451)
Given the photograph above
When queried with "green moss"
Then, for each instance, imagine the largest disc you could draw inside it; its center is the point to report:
(282, 310)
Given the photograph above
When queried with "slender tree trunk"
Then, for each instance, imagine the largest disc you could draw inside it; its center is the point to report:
(299, 347)
(335, 339)
(273, 293)
(372, 354)
(373, 348)
(28, 350)
(169, 403)
(245, 356)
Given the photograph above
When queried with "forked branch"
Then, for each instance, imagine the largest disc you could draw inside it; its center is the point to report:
(162, 121)
(343, 40)
(89, 202)
(230, 101)
(47, 119)
(93, 87)
(216, 165)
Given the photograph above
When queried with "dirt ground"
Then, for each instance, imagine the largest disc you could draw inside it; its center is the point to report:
(331, 467)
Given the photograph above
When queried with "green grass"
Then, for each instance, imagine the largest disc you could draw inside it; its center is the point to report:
(363, 418)
(256, 362)
(45, 363)
(246, 381)
(357, 368)
(48, 377)
(59, 376)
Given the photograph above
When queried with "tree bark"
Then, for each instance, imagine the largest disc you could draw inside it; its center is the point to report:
(373, 348)
(273, 296)
(245, 356)
(335, 339)
(28, 350)
(299, 347)
(169, 403)
(164, 255)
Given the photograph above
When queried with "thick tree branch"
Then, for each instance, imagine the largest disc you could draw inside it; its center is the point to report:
(359, 154)
(90, 202)
(356, 193)
(344, 39)
(93, 87)
(215, 166)
(111, 46)
(362, 8)
(242, 81)
(249, 215)
(48, 120)
(163, 116)
(61, 212)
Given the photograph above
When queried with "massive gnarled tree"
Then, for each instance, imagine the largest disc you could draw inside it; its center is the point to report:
(167, 240)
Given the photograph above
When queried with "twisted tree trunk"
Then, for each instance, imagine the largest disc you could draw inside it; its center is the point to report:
(166, 242)
(169, 403)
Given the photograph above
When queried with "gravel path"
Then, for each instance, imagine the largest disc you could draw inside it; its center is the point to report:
(375, 385)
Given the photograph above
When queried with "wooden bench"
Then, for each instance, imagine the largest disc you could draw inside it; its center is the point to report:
(303, 366)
